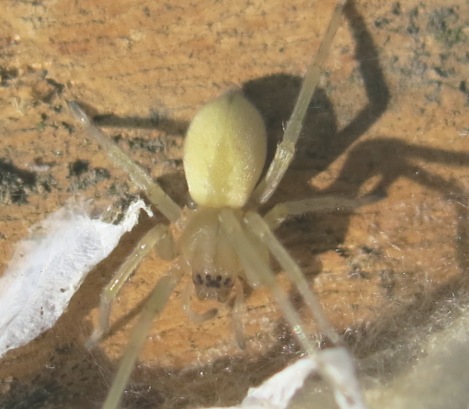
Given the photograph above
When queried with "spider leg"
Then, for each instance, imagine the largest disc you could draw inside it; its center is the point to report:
(254, 262)
(156, 235)
(153, 306)
(152, 189)
(256, 225)
(286, 149)
(280, 212)
(238, 309)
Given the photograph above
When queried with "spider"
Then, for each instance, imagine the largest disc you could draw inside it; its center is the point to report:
(224, 242)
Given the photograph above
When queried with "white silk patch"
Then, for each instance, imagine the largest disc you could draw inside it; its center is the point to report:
(49, 267)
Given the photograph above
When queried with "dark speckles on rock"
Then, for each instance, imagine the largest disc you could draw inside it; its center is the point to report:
(149, 145)
(82, 176)
(444, 24)
(15, 183)
(78, 167)
(396, 9)
(7, 75)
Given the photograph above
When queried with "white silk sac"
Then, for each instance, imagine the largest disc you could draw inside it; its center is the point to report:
(49, 267)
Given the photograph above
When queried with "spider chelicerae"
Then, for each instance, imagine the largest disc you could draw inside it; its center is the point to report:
(224, 242)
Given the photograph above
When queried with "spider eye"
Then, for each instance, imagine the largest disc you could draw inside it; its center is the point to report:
(198, 279)
(213, 287)
(190, 203)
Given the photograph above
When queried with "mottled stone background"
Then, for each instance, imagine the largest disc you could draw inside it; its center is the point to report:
(391, 114)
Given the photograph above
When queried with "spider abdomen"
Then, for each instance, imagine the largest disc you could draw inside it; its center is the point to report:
(224, 152)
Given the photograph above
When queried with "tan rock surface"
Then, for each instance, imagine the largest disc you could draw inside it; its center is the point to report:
(391, 113)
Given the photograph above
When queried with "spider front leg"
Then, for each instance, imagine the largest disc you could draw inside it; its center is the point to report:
(152, 189)
(158, 236)
(257, 226)
(238, 309)
(286, 149)
(152, 307)
(254, 264)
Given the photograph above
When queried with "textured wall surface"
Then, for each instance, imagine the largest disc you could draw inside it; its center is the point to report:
(391, 113)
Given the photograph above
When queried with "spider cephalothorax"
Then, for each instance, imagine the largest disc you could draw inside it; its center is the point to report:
(209, 256)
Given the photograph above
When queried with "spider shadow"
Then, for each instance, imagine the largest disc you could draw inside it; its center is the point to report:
(321, 141)
(364, 161)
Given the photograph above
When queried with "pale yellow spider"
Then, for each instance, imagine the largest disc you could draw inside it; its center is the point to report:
(224, 241)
